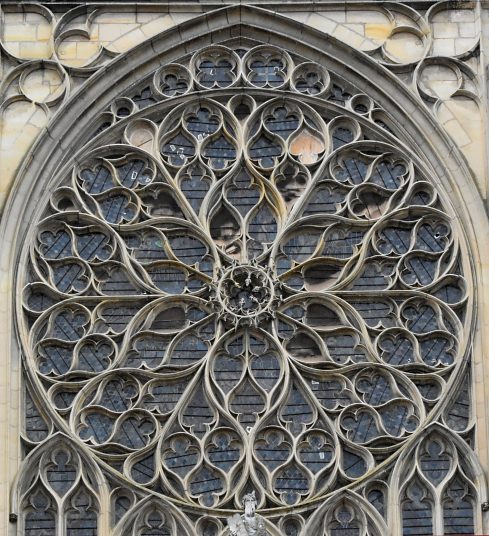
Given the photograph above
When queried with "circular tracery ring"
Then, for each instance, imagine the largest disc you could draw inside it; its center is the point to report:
(246, 294)
(249, 294)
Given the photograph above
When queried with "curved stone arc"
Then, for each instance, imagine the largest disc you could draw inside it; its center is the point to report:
(33, 459)
(412, 14)
(109, 149)
(268, 193)
(329, 107)
(185, 523)
(119, 248)
(372, 367)
(246, 12)
(466, 456)
(313, 526)
(365, 143)
(357, 145)
(29, 66)
(81, 30)
(270, 338)
(126, 523)
(157, 109)
(445, 5)
(93, 385)
(48, 17)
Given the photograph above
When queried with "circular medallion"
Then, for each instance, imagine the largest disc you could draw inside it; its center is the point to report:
(245, 292)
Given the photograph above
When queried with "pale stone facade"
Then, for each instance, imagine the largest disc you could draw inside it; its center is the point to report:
(69, 71)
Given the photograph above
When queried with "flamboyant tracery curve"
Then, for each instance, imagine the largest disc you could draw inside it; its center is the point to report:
(258, 288)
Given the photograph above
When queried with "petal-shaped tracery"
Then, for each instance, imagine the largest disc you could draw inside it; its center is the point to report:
(265, 294)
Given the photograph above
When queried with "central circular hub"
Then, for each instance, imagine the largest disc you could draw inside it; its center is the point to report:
(245, 291)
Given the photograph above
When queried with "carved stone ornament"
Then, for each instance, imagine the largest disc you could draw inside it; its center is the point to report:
(249, 523)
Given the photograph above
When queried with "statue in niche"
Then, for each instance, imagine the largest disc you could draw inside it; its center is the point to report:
(249, 523)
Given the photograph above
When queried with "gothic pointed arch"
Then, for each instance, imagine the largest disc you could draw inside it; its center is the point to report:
(346, 513)
(153, 515)
(437, 475)
(247, 271)
(60, 488)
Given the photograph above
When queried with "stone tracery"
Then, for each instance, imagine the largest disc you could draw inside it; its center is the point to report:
(252, 293)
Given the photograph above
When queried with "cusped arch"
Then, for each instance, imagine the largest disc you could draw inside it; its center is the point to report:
(450, 456)
(55, 478)
(346, 511)
(154, 514)
(467, 457)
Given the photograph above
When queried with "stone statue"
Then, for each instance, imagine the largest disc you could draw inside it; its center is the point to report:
(248, 524)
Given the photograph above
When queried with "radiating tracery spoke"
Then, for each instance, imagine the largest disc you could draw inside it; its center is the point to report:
(266, 295)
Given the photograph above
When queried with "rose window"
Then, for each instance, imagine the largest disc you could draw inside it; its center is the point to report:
(253, 289)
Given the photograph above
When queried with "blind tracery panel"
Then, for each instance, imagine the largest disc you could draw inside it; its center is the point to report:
(246, 290)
